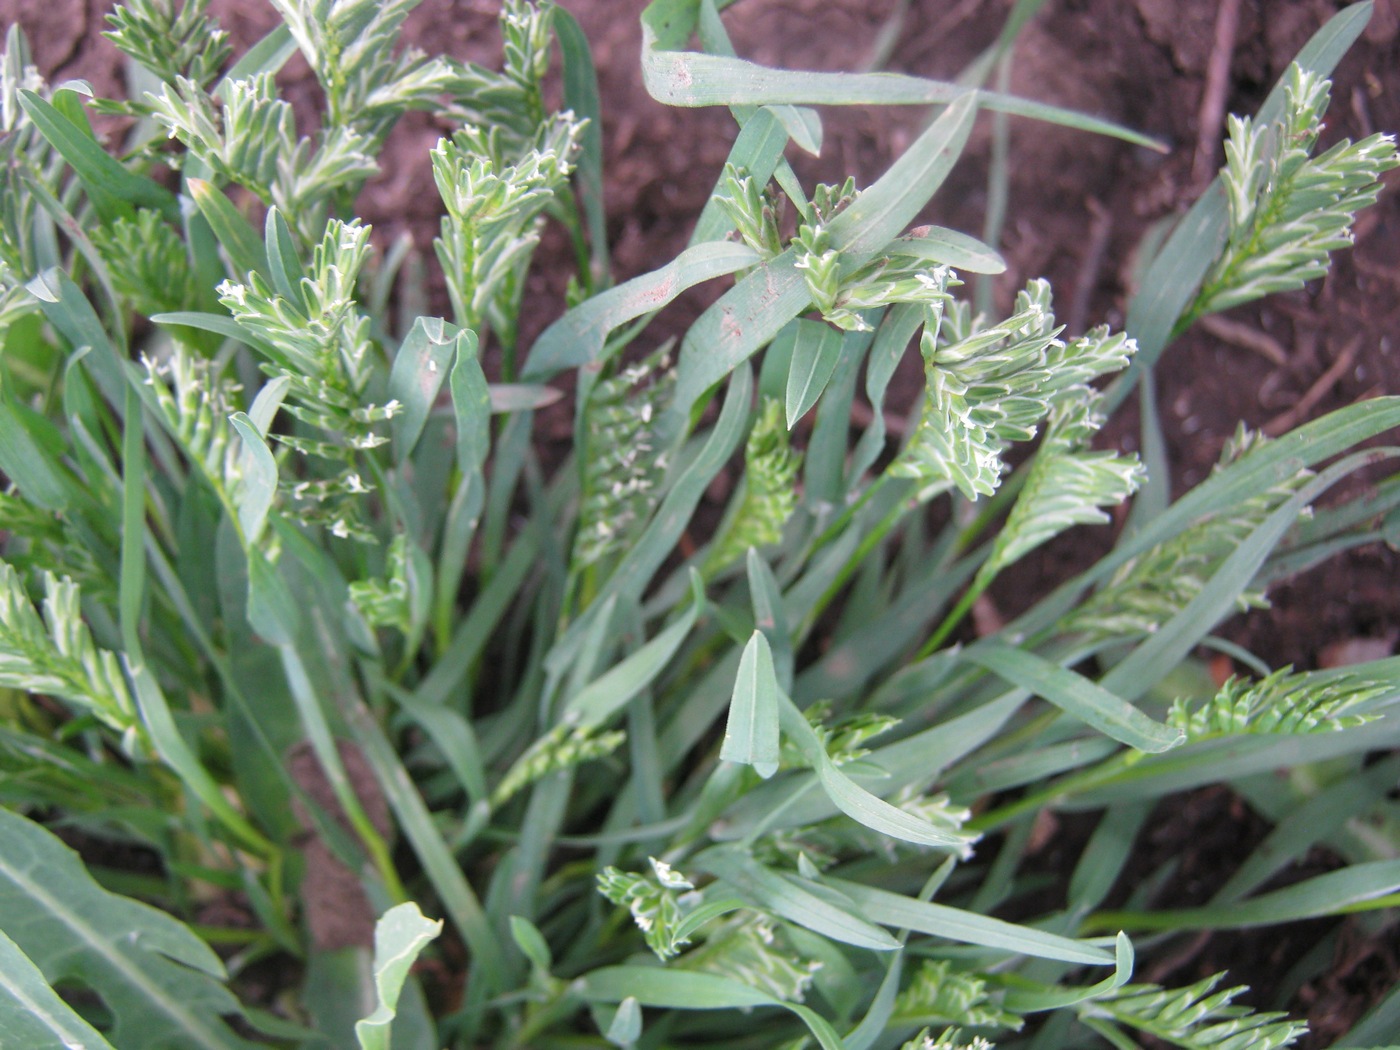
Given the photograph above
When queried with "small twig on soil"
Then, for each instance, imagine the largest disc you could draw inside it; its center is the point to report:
(1286, 421)
(1212, 113)
(1246, 338)
(1089, 266)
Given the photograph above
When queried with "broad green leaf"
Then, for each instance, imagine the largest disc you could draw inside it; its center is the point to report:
(1076, 695)
(751, 735)
(816, 349)
(32, 1015)
(258, 478)
(420, 367)
(400, 936)
(162, 984)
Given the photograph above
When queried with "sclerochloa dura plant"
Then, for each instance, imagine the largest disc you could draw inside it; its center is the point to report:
(288, 601)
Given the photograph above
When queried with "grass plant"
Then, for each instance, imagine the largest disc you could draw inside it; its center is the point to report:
(655, 787)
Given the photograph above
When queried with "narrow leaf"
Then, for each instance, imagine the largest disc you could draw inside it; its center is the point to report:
(419, 369)
(282, 261)
(938, 244)
(601, 698)
(258, 478)
(240, 240)
(794, 902)
(1076, 695)
(751, 735)
(815, 351)
(112, 187)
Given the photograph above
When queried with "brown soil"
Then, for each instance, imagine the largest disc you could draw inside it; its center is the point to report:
(1078, 208)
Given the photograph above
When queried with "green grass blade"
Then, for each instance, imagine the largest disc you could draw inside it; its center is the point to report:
(268, 55)
(1035, 1000)
(112, 187)
(1314, 821)
(860, 805)
(1359, 887)
(131, 586)
(967, 927)
(607, 694)
(443, 871)
(258, 470)
(938, 244)
(28, 457)
(816, 349)
(420, 367)
(659, 539)
(1250, 476)
(771, 891)
(1149, 662)
(182, 761)
(683, 990)
(239, 239)
(687, 78)
(579, 337)
(769, 616)
(68, 310)
(751, 734)
(1076, 695)
(581, 96)
(31, 1013)
(283, 263)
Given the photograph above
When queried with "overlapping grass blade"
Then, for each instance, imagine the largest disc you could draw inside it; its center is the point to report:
(1076, 695)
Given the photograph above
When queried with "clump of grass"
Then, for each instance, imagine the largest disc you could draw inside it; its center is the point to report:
(664, 789)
